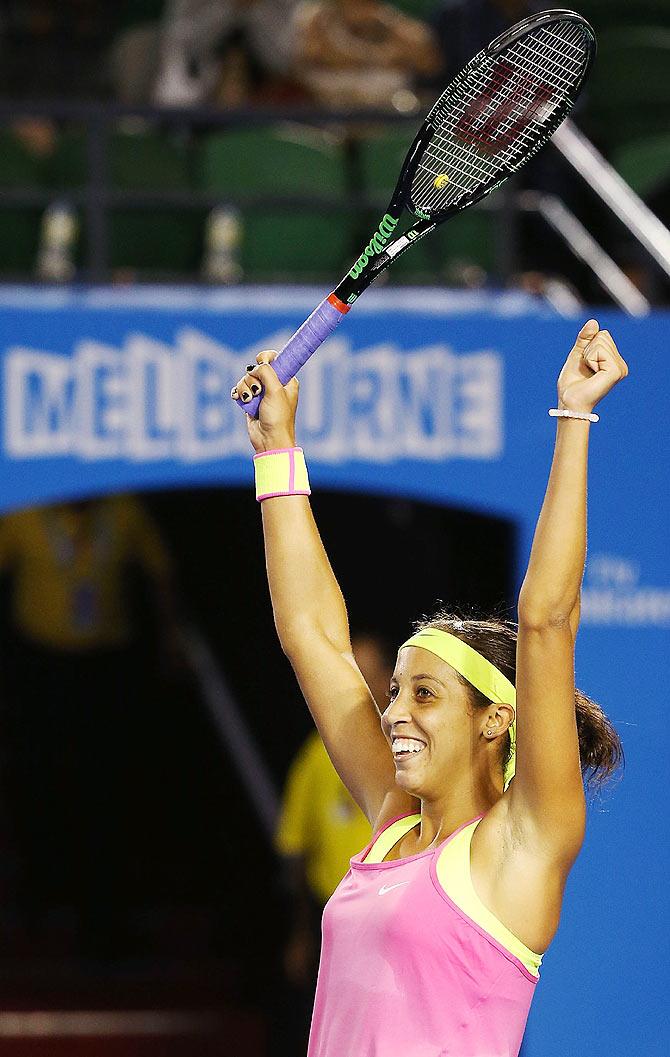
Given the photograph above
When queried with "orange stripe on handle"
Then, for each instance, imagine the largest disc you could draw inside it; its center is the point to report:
(341, 306)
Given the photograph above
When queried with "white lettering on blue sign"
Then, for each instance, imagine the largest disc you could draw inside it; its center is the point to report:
(643, 606)
(149, 401)
(40, 393)
(613, 595)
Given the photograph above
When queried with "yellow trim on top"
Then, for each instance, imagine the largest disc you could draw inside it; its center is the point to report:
(390, 837)
(454, 875)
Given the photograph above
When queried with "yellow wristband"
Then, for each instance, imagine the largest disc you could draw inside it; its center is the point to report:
(281, 472)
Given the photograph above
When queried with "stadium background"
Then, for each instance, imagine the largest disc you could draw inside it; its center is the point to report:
(140, 272)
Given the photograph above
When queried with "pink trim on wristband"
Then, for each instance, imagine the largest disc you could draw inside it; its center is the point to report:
(291, 471)
(275, 451)
(276, 495)
(279, 476)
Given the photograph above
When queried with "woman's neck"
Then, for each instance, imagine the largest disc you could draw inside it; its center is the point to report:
(441, 817)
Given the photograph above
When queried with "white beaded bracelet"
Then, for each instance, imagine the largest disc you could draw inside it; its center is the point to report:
(583, 416)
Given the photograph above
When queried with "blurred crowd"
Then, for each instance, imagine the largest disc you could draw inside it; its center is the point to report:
(338, 56)
(338, 53)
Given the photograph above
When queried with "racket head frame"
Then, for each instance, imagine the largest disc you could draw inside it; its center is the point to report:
(358, 279)
(538, 21)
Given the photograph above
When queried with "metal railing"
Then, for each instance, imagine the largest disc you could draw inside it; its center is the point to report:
(590, 165)
(235, 737)
(585, 248)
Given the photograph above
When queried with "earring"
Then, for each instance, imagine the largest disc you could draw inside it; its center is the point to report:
(489, 732)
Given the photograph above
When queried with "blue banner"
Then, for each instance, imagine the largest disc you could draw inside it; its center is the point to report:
(427, 395)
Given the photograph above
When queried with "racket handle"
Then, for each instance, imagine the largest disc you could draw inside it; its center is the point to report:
(306, 340)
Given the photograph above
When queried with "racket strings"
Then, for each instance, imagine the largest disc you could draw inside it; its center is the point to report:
(498, 96)
(550, 88)
(510, 107)
(498, 113)
(535, 60)
(558, 71)
(544, 70)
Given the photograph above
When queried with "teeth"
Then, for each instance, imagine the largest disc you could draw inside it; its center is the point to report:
(407, 745)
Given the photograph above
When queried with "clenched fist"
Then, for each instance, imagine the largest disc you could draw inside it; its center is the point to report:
(593, 367)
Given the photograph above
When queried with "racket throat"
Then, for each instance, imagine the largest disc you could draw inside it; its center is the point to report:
(377, 244)
(383, 248)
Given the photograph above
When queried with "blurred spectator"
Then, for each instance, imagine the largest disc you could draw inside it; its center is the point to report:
(320, 828)
(74, 685)
(362, 53)
(38, 136)
(68, 564)
(212, 50)
(134, 55)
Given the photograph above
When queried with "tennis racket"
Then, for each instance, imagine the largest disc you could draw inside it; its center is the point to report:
(489, 121)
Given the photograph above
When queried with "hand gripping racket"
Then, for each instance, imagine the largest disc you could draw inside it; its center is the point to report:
(495, 115)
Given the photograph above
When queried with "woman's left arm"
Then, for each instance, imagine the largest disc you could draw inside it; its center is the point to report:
(546, 800)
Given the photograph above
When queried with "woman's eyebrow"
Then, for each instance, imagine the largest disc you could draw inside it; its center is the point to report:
(423, 675)
(426, 676)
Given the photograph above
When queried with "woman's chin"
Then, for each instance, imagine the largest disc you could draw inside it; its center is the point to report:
(407, 781)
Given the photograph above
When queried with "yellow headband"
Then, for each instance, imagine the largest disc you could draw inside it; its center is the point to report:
(483, 675)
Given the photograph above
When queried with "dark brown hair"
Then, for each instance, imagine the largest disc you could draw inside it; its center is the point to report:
(600, 749)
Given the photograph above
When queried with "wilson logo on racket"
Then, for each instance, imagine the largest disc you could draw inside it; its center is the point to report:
(376, 244)
(525, 100)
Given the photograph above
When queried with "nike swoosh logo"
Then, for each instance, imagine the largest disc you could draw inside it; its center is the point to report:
(387, 888)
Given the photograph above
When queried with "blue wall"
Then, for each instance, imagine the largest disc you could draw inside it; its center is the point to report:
(433, 396)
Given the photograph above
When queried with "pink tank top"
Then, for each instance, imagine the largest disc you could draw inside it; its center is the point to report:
(404, 972)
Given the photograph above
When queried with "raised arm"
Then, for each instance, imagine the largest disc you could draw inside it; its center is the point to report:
(547, 795)
(311, 617)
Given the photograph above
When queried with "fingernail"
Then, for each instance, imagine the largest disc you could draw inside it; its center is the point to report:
(255, 389)
(233, 393)
(250, 366)
(246, 396)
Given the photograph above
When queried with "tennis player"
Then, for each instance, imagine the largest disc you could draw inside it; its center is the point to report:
(473, 781)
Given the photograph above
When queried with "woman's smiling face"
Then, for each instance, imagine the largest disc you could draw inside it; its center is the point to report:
(429, 722)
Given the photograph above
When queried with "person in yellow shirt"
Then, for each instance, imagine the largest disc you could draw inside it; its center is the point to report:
(68, 565)
(75, 674)
(320, 827)
(320, 823)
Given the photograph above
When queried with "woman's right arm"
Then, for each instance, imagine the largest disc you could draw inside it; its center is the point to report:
(311, 618)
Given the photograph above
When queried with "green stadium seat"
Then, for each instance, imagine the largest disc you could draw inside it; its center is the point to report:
(607, 15)
(20, 167)
(382, 154)
(422, 9)
(311, 243)
(156, 241)
(629, 90)
(464, 241)
(645, 164)
(19, 225)
(135, 12)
